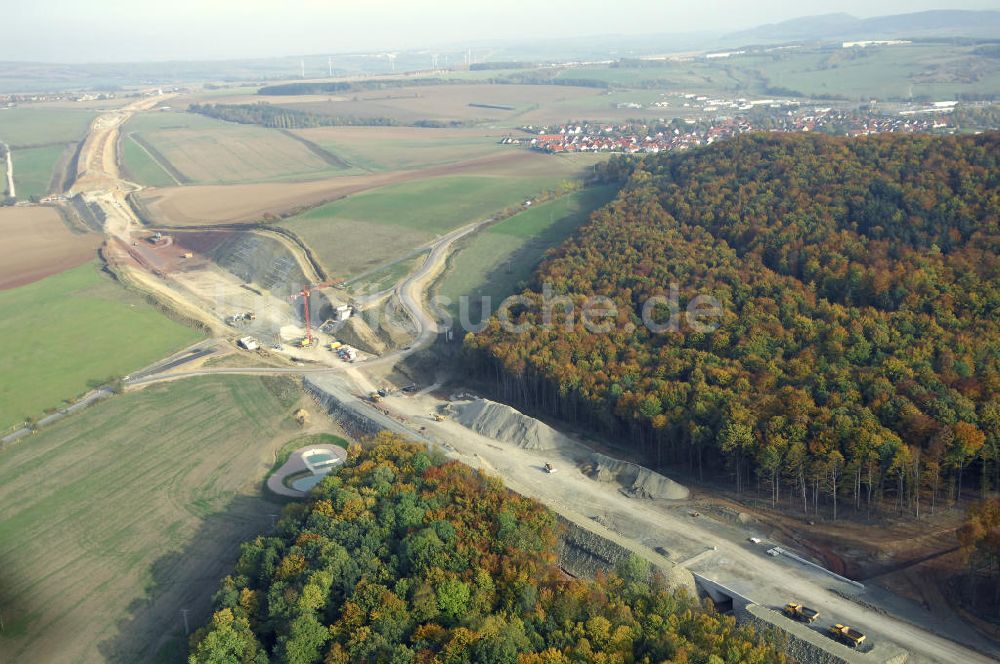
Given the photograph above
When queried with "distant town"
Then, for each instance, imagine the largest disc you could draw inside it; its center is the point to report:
(773, 115)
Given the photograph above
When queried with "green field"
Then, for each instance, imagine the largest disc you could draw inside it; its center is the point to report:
(141, 167)
(386, 277)
(34, 167)
(403, 148)
(116, 518)
(65, 332)
(30, 126)
(206, 151)
(371, 228)
(930, 70)
(504, 255)
(900, 72)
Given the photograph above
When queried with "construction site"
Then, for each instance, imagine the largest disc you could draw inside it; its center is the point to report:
(262, 298)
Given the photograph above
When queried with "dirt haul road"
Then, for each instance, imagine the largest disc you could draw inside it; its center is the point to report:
(205, 293)
(11, 191)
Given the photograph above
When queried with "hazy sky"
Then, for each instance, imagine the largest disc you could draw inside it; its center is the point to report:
(131, 30)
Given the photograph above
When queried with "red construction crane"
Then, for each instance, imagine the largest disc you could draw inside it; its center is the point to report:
(304, 294)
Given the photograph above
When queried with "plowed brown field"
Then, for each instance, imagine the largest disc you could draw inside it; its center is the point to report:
(36, 243)
(216, 204)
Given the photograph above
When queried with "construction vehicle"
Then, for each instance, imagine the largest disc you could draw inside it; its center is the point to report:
(847, 635)
(801, 613)
(549, 468)
(304, 294)
(375, 397)
(438, 417)
(335, 345)
(305, 342)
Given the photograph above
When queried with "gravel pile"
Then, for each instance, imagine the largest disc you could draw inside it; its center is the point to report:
(501, 422)
(636, 481)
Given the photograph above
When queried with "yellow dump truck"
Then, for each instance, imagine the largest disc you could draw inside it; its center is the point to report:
(335, 345)
(799, 612)
(847, 635)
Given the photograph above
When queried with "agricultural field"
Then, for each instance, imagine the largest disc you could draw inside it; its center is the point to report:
(901, 72)
(92, 329)
(370, 228)
(197, 149)
(28, 126)
(478, 104)
(934, 71)
(214, 204)
(403, 148)
(116, 518)
(504, 255)
(383, 278)
(141, 166)
(37, 243)
(35, 168)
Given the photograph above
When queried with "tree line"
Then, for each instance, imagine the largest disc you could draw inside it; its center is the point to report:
(280, 117)
(402, 556)
(858, 356)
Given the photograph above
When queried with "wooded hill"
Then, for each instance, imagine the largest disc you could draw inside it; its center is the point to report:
(404, 557)
(859, 353)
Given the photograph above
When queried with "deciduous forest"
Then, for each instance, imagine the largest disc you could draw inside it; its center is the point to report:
(402, 556)
(857, 361)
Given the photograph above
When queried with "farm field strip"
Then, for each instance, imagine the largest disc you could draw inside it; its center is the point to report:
(34, 169)
(195, 149)
(113, 520)
(480, 104)
(30, 126)
(403, 148)
(505, 254)
(205, 205)
(142, 166)
(37, 243)
(370, 228)
(93, 329)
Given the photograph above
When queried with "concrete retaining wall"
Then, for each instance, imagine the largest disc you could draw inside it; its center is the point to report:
(584, 553)
(806, 645)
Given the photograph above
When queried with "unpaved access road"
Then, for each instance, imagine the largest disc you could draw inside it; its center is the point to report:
(11, 191)
(745, 568)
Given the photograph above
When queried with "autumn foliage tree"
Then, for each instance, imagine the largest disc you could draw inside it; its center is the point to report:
(405, 557)
(858, 355)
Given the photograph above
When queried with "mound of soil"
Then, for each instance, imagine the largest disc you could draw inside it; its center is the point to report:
(501, 422)
(355, 332)
(636, 481)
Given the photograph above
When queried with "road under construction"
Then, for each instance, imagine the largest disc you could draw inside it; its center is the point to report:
(702, 545)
